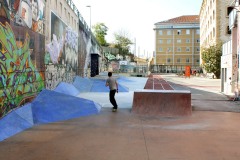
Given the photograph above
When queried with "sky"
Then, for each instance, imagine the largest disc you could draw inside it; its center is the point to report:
(135, 17)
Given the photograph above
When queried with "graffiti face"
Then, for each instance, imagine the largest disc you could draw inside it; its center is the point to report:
(35, 12)
(26, 13)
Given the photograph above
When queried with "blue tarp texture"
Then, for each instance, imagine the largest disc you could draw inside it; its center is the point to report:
(67, 88)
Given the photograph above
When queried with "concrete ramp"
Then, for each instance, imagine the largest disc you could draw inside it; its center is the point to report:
(51, 106)
(98, 85)
(16, 121)
(94, 85)
(67, 88)
(82, 84)
(162, 102)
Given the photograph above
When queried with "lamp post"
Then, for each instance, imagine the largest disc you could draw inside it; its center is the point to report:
(90, 16)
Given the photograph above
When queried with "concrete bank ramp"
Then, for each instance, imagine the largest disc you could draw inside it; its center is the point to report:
(51, 106)
(67, 88)
(16, 121)
(48, 106)
(95, 85)
(82, 84)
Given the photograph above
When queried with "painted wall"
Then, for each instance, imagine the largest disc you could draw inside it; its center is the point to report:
(21, 52)
(39, 49)
(61, 58)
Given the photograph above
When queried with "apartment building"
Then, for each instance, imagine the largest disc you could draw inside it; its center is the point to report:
(177, 44)
(213, 22)
(231, 49)
(214, 29)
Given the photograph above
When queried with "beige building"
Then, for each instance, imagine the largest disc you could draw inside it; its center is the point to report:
(177, 44)
(231, 50)
(213, 22)
(214, 29)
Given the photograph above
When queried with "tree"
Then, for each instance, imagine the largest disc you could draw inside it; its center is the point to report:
(123, 43)
(211, 57)
(100, 31)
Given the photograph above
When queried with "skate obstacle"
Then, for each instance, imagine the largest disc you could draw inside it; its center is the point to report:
(159, 98)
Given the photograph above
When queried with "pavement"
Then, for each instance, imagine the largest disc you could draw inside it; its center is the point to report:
(211, 133)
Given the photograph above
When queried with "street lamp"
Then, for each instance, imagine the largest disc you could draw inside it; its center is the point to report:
(90, 16)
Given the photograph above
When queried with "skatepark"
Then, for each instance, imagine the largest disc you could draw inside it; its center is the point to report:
(92, 131)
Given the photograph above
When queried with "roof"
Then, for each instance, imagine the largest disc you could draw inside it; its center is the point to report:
(182, 19)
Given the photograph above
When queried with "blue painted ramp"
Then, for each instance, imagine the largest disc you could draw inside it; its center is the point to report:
(67, 88)
(98, 85)
(15, 122)
(82, 84)
(51, 106)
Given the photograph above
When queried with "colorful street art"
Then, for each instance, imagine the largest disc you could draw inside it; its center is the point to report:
(21, 52)
(27, 63)
(19, 79)
(27, 13)
(61, 58)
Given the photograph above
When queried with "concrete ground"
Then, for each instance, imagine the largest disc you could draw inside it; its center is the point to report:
(212, 132)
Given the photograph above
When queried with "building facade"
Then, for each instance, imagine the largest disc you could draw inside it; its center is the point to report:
(231, 50)
(215, 29)
(213, 22)
(177, 44)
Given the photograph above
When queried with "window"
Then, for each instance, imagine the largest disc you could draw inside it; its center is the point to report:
(178, 60)
(187, 49)
(188, 40)
(160, 41)
(169, 49)
(198, 49)
(179, 41)
(65, 12)
(169, 41)
(60, 7)
(179, 32)
(213, 14)
(187, 60)
(179, 49)
(169, 32)
(169, 60)
(198, 40)
(197, 60)
(188, 31)
(198, 30)
(160, 49)
(160, 32)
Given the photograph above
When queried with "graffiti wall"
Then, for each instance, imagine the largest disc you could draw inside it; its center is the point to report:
(61, 56)
(21, 52)
(28, 64)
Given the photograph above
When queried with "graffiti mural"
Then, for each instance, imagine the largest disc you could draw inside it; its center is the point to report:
(20, 79)
(61, 56)
(27, 13)
(21, 52)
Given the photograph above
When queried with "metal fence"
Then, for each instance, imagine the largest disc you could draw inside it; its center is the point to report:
(172, 68)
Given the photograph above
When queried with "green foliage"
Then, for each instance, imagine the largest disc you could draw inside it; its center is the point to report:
(211, 57)
(100, 31)
(123, 43)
